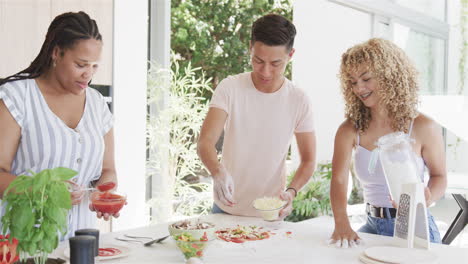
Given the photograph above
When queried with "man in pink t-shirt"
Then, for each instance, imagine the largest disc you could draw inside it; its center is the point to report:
(260, 111)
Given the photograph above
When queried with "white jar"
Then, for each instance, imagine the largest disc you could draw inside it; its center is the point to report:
(398, 162)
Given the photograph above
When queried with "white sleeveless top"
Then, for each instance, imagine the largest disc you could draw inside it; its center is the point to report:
(47, 142)
(374, 186)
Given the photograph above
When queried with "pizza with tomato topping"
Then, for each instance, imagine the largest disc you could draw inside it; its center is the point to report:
(241, 234)
(109, 252)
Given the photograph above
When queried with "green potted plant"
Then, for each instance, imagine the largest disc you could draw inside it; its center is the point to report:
(314, 199)
(36, 209)
(172, 138)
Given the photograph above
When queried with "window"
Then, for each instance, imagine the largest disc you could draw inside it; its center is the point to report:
(424, 30)
(428, 54)
(433, 8)
(419, 28)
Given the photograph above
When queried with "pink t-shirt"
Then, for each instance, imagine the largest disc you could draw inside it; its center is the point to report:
(257, 135)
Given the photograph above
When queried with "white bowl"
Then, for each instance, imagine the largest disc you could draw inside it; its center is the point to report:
(269, 214)
(196, 233)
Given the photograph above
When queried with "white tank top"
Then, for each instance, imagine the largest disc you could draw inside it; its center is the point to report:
(374, 186)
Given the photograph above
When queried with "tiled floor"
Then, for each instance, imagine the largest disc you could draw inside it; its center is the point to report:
(444, 211)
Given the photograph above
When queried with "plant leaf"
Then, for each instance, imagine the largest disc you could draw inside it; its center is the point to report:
(22, 216)
(40, 180)
(63, 174)
(60, 196)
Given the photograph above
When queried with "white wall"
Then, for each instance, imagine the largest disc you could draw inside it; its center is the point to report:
(24, 23)
(130, 67)
(325, 31)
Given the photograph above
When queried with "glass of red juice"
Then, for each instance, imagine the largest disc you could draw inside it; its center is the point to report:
(107, 202)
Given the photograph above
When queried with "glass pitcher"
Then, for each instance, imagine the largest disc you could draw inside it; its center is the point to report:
(398, 162)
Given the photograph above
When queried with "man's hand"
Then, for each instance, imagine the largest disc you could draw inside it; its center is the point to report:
(224, 186)
(287, 196)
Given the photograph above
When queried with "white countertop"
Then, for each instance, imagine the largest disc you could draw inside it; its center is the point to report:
(306, 244)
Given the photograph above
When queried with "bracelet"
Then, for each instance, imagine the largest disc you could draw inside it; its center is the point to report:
(291, 188)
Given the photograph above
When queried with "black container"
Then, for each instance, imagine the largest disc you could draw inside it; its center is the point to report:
(82, 249)
(90, 232)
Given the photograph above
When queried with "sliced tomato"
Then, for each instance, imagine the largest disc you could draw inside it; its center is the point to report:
(223, 238)
(8, 250)
(204, 237)
(108, 252)
(241, 235)
(237, 240)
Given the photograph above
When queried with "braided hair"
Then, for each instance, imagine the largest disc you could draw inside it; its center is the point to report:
(64, 31)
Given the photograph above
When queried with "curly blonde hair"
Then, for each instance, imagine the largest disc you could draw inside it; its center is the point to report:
(396, 77)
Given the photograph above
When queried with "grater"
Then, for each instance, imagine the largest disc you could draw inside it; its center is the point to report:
(411, 226)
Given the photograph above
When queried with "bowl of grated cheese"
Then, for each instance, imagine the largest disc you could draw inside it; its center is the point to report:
(269, 207)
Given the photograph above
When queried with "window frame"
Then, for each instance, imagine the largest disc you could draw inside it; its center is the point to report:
(387, 11)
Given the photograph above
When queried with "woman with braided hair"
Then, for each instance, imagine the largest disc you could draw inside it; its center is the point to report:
(380, 89)
(49, 117)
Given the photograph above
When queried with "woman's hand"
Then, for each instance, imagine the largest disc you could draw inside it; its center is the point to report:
(345, 140)
(427, 196)
(106, 216)
(344, 236)
(76, 192)
(394, 204)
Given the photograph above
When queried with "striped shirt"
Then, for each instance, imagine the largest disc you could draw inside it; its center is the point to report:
(47, 142)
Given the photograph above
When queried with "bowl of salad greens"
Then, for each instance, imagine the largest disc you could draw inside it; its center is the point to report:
(190, 246)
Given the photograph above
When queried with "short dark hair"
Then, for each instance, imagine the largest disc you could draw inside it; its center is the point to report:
(64, 31)
(274, 30)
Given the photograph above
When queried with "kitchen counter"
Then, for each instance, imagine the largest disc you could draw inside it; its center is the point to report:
(306, 244)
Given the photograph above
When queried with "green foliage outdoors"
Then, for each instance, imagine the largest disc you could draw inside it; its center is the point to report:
(36, 209)
(175, 132)
(209, 41)
(314, 199)
(215, 35)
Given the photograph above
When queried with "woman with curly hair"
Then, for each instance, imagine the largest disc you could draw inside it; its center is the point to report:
(379, 84)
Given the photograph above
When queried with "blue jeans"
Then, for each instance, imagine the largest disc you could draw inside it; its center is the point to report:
(385, 226)
(217, 210)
